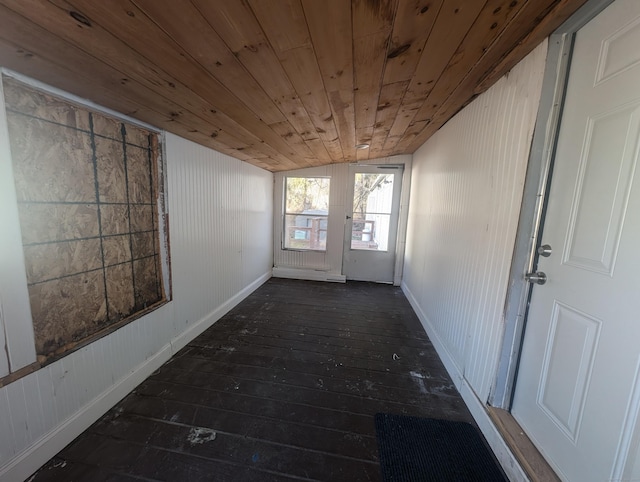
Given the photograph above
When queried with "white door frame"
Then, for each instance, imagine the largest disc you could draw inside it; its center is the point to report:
(534, 201)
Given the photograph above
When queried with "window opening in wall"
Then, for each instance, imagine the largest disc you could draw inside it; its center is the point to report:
(88, 188)
(372, 202)
(306, 213)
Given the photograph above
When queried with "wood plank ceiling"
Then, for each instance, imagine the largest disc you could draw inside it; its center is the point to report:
(282, 84)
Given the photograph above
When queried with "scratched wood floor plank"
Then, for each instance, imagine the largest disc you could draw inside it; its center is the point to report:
(283, 387)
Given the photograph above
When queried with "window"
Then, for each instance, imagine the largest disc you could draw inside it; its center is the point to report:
(88, 188)
(372, 204)
(306, 212)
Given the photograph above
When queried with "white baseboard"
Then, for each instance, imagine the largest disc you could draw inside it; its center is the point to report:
(477, 408)
(202, 324)
(308, 274)
(32, 458)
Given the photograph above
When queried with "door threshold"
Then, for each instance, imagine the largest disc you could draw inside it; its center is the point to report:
(528, 456)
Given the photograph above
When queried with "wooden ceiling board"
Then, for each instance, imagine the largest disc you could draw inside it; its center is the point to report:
(19, 45)
(281, 84)
(241, 32)
(295, 51)
(373, 25)
(411, 30)
(100, 44)
(330, 27)
(497, 61)
(453, 22)
(388, 105)
(142, 35)
(490, 22)
(536, 20)
(488, 25)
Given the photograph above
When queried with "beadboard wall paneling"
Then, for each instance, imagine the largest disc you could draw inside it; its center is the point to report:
(4, 358)
(220, 218)
(220, 212)
(466, 192)
(329, 263)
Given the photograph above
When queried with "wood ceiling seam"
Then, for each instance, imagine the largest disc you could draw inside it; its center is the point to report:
(493, 19)
(195, 37)
(304, 75)
(403, 39)
(551, 19)
(216, 44)
(438, 52)
(337, 79)
(497, 68)
(490, 16)
(213, 92)
(82, 59)
(380, 140)
(90, 54)
(372, 69)
(292, 83)
(387, 110)
(245, 42)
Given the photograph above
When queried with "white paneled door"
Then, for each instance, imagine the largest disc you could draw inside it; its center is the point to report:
(578, 389)
(371, 230)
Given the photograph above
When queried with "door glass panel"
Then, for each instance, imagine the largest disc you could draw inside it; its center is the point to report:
(372, 201)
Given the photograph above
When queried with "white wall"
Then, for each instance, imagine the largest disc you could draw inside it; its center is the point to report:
(466, 192)
(220, 212)
(328, 265)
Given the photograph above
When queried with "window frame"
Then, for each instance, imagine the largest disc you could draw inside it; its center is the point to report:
(16, 324)
(286, 213)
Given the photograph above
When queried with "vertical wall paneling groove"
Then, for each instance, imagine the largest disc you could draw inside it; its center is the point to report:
(327, 266)
(4, 354)
(465, 201)
(220, 212)
(220, 237)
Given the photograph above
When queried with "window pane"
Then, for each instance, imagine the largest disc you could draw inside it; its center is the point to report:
(305, 232)
(307, 195)
(372, 193)
(370, 232)
(306, 211)
(372, 200)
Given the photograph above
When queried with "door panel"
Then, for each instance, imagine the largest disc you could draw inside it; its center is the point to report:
(372, 223)
(604, 183)
(577, 394)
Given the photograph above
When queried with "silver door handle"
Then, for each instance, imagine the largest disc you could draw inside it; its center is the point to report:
(538, 278)
(544, 250)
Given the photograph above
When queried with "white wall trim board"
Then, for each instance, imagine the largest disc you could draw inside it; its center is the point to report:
(17, 348)
(507, 460)
(308, 274)
(77, 99)
(206, 322)
(31, 459)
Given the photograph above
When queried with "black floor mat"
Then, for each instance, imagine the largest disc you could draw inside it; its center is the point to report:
(423, 449)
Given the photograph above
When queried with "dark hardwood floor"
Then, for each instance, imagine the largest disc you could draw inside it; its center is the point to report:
(284, 387)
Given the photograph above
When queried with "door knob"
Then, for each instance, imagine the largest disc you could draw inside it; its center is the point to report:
(538, 278)
(544, 250)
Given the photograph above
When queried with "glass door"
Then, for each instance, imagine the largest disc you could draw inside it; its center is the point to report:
(372, 223)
